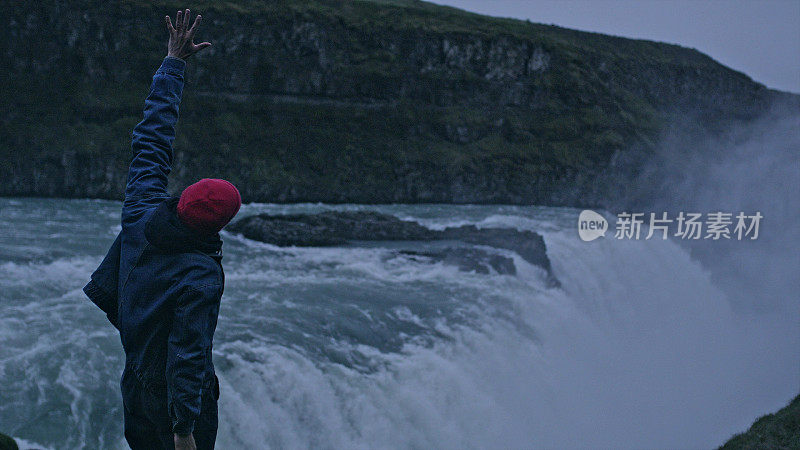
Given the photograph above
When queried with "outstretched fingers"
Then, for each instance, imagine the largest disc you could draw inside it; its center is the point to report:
(182, 35)
(202, 45)
(196, 23)
(170, 28)
(186, 16)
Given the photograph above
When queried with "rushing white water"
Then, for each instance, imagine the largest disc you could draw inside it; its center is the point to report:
(361, 347)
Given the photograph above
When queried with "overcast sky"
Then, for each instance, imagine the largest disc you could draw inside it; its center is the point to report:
(759, 38)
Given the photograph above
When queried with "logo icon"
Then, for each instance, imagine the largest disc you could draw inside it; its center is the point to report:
(591, 225)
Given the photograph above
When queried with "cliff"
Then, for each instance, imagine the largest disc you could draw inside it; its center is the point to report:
(780, 430)
(357, 101)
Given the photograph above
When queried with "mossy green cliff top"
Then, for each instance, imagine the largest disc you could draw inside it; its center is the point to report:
(348, 101)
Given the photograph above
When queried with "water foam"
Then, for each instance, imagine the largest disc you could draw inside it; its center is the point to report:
(362, 348)
(638, 344)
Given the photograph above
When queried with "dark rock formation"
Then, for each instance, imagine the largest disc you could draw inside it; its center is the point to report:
(329, 228)
(780, 430)
(7, 443)
(343, 227)
(467, 260)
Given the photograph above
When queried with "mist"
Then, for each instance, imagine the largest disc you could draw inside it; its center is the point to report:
(753, 167)
(744, 167)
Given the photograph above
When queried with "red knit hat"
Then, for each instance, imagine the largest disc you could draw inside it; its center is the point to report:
(209, 205)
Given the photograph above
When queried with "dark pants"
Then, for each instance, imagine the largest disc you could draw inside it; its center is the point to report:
(147, 422)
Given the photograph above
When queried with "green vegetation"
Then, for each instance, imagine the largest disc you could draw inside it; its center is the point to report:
(773, 431)
(362, 101)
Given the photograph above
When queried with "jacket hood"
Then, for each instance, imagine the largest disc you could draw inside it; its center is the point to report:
(166, 231)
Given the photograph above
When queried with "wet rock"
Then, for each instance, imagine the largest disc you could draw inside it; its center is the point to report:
(467, 260)
(332, 228)
(329, 228)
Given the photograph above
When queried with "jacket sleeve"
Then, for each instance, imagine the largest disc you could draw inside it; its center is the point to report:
(153, 136)
(102, 287)
(189, 349)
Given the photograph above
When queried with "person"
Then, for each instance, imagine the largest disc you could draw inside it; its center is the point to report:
(162, 280)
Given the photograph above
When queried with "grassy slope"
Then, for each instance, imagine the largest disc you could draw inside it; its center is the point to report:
(780, 430)
(345, 151)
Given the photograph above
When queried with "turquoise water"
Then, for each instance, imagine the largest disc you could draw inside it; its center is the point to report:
(364, 347)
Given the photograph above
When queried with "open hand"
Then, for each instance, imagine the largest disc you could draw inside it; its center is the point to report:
(181, 36)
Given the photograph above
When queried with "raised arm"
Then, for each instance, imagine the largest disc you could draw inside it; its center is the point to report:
(153, 136)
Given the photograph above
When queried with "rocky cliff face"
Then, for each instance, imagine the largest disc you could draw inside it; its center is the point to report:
(348, 101)
(778, 430)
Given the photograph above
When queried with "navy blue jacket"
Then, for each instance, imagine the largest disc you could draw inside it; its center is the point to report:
(160, 283)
